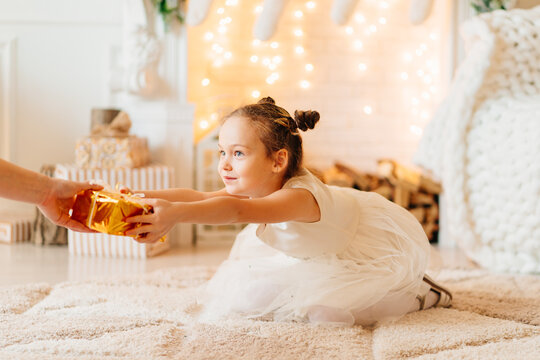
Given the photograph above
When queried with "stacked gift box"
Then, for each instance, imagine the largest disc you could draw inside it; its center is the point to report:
(114, 157)
(15, 228)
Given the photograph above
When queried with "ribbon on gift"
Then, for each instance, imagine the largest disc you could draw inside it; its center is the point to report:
(105, 211)
(119, 127)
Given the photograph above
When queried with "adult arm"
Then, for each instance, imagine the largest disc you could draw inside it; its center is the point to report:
(54, 197)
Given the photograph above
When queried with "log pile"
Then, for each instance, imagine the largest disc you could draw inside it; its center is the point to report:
(408, 188)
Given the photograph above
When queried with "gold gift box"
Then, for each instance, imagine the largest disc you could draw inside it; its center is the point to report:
(105, 211)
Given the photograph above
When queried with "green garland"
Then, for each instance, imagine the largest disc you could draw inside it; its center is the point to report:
(482, 6)
(171, 11)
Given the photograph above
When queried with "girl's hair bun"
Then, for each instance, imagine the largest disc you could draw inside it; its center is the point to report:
(267, 100)
(306, 119)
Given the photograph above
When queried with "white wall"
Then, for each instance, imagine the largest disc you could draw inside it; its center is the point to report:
(61, 58)
(338, 89)
(56, 70)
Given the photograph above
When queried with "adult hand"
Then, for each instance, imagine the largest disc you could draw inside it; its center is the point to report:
(59, 200)
(154, 225)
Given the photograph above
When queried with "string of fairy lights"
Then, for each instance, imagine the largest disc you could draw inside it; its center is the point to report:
(419, 66)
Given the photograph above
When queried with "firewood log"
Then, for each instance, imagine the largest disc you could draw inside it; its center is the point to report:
(419, 213)
(422, 199)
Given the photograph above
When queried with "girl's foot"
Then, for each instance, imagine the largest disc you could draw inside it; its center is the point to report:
(438, 296)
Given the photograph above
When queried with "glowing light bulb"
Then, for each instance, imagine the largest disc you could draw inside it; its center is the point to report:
(304, 84)
(433, 36)
(217, 48)
(220, 10)
(362, 67)
(404, 75)
(208, 36)
(256, 42)
(407, 56)
(424, 114)
(311, 4)
(349, 30)
(416, 130)
(225, 21)
(254, 58)
(274, 45)
(423, 47)
(368, 110)
(309, 67)
(255, 93)
(420, 72)
(382, 21)
(272, 78)
(384, 5)
(415, 101)
(258, 9)
(298, 32)
(214, 116)
(231, 2)
(298, 13)
(425, 95)
(217, 63)
(203, 124)
(266, 61)
(222, 29)
(272, 66)
(299, 50)
(227, 55)
(358, 44)
(372, 28)
(418, 52)
(277, 59)
(428, 79)
(205, 82)
(359, 18)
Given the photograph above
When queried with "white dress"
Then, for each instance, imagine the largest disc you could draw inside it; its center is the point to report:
(363, 249)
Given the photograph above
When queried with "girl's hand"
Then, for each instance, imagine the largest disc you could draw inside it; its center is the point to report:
(155, 225)
(125, 190)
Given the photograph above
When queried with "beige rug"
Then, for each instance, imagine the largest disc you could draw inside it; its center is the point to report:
(152, 317)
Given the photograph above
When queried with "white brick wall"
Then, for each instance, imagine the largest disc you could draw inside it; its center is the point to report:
(339, 90)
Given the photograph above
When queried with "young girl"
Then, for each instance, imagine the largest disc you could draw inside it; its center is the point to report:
(312, 252)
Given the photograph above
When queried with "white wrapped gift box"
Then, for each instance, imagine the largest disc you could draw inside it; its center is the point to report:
(15, 228)
(152, 177)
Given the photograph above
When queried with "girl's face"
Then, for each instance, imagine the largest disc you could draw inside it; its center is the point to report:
(244, 166)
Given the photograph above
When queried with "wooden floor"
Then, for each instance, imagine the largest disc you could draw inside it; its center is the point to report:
(28, 263)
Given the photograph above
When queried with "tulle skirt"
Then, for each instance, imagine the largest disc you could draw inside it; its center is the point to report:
(386, 259)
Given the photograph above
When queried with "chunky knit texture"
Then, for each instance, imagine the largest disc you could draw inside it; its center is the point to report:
(484, 143)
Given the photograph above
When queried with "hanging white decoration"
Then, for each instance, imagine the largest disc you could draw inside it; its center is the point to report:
(197, 11)
(142, 50)
(266, 23)
(342, 10)
(419, 11)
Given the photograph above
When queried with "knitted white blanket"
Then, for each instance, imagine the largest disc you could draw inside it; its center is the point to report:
(484, 143)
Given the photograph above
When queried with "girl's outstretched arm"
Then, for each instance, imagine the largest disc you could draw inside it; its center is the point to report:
(282, 205)
(179, 194)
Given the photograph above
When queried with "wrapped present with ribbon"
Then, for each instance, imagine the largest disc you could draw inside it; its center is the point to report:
(105, 211)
